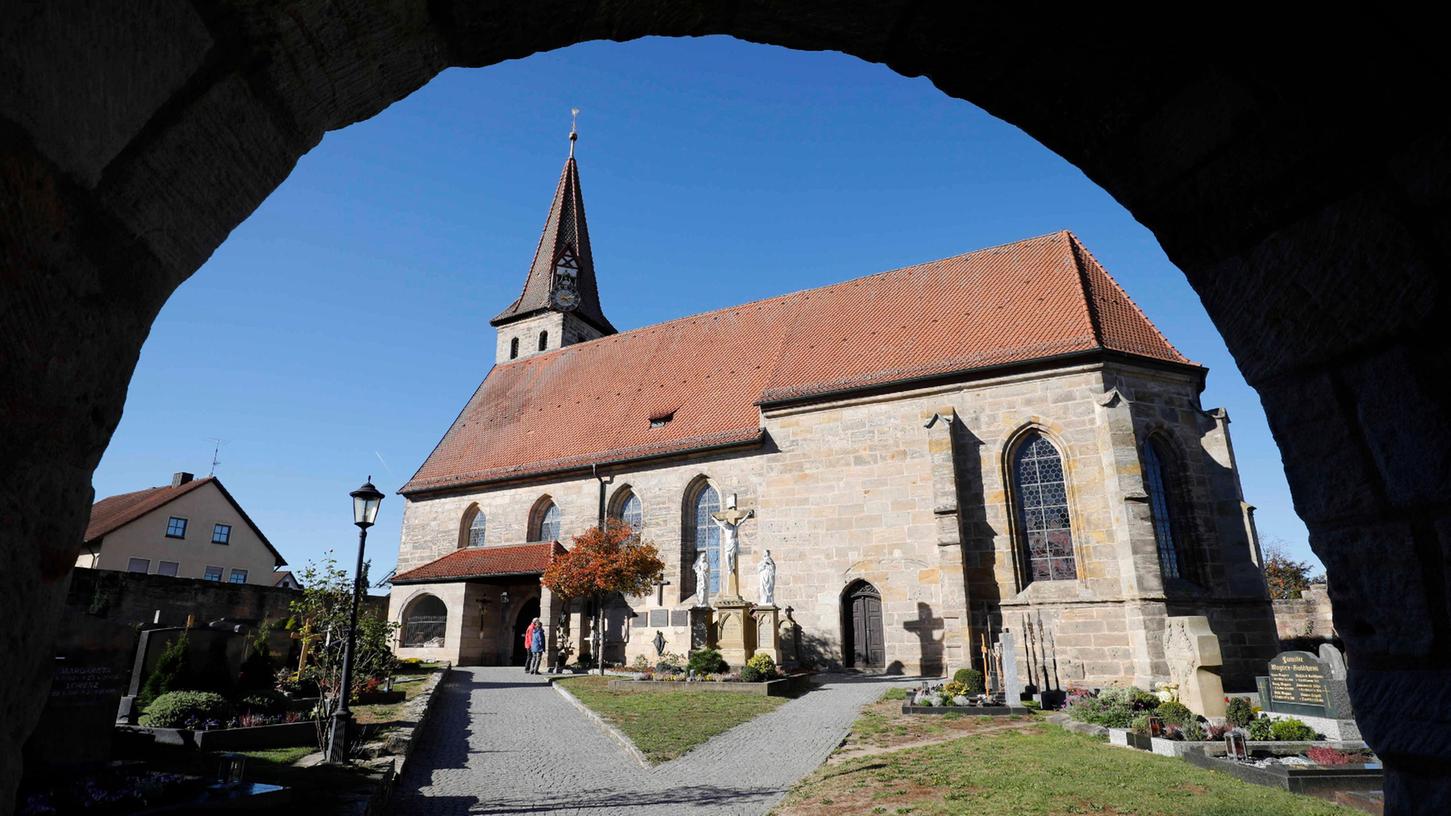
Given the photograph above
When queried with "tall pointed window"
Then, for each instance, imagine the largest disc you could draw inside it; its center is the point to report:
(1041, 494)
(1160, 484)
(543, 340)
(546, 522)
(477, 530)
(513, 348)
(702, 531)
(628, 509)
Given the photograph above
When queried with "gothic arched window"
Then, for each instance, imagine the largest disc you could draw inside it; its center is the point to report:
(628, 509)
(1160, 484)
(1041, 492)
(478, 529)
(702, 531)
(546, 522)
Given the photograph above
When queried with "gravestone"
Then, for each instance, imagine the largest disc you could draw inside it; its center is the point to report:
(1301, 683)
(1192, 651)
(80, 711)
(1012, 686)
(1334, 660)
(701, 626)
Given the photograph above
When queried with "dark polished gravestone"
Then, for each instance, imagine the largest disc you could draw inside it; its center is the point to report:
(1301, 683)
(79, 717)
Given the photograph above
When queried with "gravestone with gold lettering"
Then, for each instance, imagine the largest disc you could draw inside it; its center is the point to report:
(1300, 683)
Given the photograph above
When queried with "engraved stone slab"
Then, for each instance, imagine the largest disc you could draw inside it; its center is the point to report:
(680, 617)
(659, 617)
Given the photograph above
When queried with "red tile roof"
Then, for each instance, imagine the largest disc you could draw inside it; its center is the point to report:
(114, 512)
(481, 562)
(1040, 298)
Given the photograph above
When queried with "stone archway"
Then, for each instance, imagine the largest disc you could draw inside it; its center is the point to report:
(863, 642)
(1296, 176)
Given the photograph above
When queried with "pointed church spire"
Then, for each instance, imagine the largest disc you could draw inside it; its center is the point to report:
(562, 277)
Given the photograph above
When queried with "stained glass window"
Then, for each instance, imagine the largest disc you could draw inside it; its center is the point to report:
(629, 511)
(706, 534)
(1161, 502)
(548, 524)
(477, 529)
(1042, 499)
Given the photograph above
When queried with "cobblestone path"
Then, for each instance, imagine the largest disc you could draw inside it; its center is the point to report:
(505, 743)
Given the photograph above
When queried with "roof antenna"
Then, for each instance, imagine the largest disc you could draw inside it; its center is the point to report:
(216, 449)
(573, 129)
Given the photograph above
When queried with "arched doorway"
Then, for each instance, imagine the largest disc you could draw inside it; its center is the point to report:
(528, 612)
(425, 623)
(862, 646)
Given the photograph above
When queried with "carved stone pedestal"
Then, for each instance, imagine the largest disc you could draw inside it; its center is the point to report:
(735, 631)
(767, 620)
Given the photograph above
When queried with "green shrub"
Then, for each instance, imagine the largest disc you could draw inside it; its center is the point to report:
(1291, 730)
(1193, 731)
(1261, 729)
(1114, 707)
(186, 709)
(971, 678)
(1173, 713)
(707, 661)
(758, 669)
(1132, 696)
(1239, 712)
(1139, 724)
(264, 702)
(169, 675)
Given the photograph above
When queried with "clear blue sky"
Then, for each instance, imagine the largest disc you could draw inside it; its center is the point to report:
(339, 330)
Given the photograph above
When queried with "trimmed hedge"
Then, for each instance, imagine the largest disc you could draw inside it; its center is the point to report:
(971, 679)
(186, 709)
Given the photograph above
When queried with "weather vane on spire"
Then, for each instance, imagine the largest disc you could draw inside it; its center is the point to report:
(573, 129)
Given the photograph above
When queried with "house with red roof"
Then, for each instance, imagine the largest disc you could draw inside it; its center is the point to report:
(191, 528)
(934, 455)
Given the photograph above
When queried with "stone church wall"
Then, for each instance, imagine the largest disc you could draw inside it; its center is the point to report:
(866, 489)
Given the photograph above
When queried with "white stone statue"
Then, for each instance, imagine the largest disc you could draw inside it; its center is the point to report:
(766, 579)
(702, 579)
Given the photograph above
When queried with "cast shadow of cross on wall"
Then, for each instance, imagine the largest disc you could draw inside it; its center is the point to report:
(928, 629)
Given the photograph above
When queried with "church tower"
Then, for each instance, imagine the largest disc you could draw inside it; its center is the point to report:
(560, 303)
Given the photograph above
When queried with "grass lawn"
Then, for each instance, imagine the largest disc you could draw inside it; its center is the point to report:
(949, 765)
(666, 724)
(277, 756)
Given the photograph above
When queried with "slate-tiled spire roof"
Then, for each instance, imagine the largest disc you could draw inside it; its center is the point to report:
(1030, 302)
(564, 230)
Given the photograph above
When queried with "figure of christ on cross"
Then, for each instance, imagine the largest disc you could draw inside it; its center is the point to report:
(730, 521)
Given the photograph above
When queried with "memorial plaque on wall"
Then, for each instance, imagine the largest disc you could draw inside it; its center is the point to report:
(659, 617)
(680, 617)
(1298, 684)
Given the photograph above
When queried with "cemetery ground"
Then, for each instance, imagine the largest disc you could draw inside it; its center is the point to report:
(955, 765)
(667, 724)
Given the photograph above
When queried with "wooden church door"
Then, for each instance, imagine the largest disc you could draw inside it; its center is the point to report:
(864, 627)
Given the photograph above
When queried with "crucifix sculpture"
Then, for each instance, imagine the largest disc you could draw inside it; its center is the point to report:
(730, 521)
(660, 584)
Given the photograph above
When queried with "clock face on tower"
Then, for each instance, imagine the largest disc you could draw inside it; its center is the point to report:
(565, 298)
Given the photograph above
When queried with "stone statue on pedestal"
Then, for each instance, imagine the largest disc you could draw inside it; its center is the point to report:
(766, 580)
(702, 579)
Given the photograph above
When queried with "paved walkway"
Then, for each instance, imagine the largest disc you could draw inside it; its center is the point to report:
(505, 743)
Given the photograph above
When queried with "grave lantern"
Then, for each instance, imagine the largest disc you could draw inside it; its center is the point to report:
(1235, 746)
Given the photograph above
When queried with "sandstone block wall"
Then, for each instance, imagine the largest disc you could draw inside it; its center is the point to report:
(1305, 616)
(870, 489)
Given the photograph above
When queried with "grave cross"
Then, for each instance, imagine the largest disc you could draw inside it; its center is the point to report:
(660, 584)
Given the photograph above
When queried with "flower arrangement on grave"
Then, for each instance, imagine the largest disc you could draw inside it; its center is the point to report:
(1113, 707)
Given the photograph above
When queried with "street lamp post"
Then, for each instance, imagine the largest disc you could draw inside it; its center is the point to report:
(365, 510)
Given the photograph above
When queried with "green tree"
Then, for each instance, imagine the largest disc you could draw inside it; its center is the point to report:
(322, 613)
(170, 673)
(1285, 577)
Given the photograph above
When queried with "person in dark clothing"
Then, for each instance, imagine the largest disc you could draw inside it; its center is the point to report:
(534, 640)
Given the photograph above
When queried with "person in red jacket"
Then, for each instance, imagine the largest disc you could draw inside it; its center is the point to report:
(528, 642)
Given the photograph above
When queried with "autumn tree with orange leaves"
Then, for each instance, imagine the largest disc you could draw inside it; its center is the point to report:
(602, 562)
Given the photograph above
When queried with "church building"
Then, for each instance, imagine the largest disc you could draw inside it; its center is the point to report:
(995, 440)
